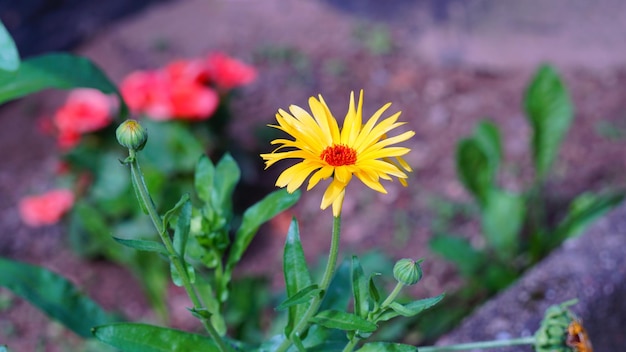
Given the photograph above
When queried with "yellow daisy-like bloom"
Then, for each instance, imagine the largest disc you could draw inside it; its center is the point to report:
(363, 150)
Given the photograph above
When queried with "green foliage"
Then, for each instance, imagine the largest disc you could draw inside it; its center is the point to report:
(133, 337)
(61, 71)
(54, 295)
(9, 57)
(515, 225)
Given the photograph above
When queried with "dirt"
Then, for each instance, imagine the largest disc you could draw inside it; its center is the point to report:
(442, 90)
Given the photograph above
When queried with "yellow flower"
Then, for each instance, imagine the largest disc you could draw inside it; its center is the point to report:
(363, 150)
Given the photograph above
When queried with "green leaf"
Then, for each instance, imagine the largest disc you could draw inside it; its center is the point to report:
(300, 297)
(459, 251)
(181, 233)
(409, 309)
(585, 209)
(473, 169)
(9, 56)
(387, 347)
(175, 210)
(360, 289)
(502, 220)
(373, 290)
(132, 337)
(336, 319)
(259, 213)
(54, 295)
(59, 70)
(339, 291)
(487, 135)
(297, 275)
(227, 175)
(205, 173)
(143, 245)
(550, 113)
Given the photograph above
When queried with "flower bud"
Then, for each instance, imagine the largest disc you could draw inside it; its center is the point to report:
(561, 331)
(407, 271)
(132, 135)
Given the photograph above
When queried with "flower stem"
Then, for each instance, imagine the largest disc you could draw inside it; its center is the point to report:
(482, 344)
(303, 324)
(392, 296)
(179, 265)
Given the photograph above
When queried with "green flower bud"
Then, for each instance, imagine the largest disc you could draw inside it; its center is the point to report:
(132, 135)
(561, 331)
(407, 271)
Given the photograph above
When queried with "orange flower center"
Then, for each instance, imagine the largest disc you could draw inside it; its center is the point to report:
(339, 155)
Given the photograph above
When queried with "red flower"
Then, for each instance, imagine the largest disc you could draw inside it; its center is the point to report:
(85, 110)
(228, 73)
(47, 208)
(178, 91)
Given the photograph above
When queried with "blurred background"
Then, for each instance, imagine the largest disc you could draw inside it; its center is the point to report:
(446, 64)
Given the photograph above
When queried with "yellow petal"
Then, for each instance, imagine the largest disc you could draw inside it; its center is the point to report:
(332, 192)
(338, 204)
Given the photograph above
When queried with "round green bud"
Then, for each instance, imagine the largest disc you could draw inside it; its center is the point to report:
(132, 135)
(407, 271)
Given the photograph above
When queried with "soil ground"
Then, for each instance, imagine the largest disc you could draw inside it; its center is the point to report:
(445, 65)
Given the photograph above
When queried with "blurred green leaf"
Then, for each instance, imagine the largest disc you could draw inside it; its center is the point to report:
(59, 70)
(336, 319)
(132, 337)
(502, 220)
(172, 148)
(9, 56)
(339, 291)
(296, 271)
(181, 233)
(387, 347)
(360, 289)
(459, 251)
(184, 199)
(473, 169)
(487, 135)
(585, 209)
(205, 174)
(227, 175)
(54, 295)
(143, 245)
(550, 113)
(300, 297)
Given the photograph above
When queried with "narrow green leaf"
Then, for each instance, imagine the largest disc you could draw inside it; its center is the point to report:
(176, 279)
(132, 337)
(143, 245)
(9, 56)
(174, 211)
(205, 173)
(473, 169)
(59, 70)
(360, 292)
(300, 297)
(502, 220)
(54, 295)
(255, 216)
(297, 275)
(387, 347)
(487, 135)
(550, 113)
(584, 210)
(336, 319)
(181, 233)
(373, 290)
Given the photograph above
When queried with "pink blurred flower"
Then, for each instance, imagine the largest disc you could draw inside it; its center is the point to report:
(47, 208)
(177, 91)
(228, 73)
(85, 110)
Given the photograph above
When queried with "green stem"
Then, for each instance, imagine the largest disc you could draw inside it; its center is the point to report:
(482, 344)
(351, 344)
(303, 324)
(179, 265)
(392, 296)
